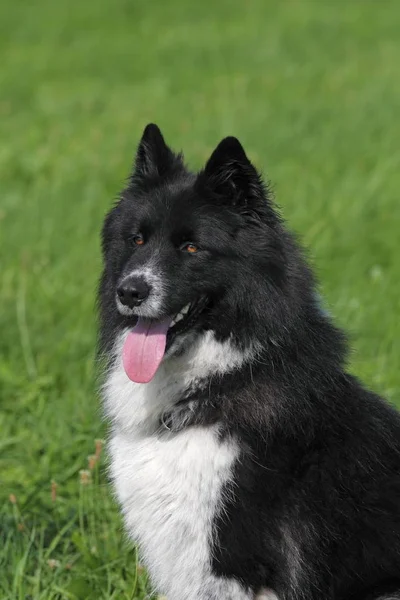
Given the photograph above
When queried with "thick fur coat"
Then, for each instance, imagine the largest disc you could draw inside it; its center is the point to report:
(251, 465)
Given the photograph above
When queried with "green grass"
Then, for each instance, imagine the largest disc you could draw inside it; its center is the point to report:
(311, 88)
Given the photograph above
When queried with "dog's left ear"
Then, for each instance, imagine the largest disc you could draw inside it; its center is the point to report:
(232, 177)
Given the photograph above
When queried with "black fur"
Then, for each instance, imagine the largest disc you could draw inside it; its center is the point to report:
(314, 512)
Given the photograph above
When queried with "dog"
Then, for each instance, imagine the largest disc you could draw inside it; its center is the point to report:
(247, 462)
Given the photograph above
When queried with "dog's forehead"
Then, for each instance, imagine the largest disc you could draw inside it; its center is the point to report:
(176, 205)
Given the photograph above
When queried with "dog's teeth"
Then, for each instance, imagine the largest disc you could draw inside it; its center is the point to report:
(181, 314)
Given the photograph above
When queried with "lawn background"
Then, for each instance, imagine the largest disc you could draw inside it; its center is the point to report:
(311, 88)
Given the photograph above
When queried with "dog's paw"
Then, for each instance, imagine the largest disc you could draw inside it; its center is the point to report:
(179, 416)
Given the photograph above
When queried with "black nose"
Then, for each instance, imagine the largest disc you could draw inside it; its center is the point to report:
(133, 292)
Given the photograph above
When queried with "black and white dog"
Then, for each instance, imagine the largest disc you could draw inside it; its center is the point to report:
(247, 461)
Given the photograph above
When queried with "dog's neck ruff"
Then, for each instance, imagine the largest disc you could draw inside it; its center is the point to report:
(139, 406)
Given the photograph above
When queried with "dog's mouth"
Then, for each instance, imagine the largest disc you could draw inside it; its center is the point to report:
(186, 319)
(147, 342)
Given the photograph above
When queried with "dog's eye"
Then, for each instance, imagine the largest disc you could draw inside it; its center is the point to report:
(189, 247)
(137, 240)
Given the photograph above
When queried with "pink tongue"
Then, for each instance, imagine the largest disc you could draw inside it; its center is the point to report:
(144, 349)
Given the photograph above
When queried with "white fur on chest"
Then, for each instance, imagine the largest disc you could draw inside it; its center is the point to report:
(170, 486)
(170, 489)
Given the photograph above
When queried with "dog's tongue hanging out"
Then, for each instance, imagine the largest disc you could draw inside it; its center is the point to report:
(144, 349)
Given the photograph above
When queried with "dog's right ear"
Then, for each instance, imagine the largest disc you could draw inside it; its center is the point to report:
(154, 158)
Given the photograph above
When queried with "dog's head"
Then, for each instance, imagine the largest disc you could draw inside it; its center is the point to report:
(186, 252)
